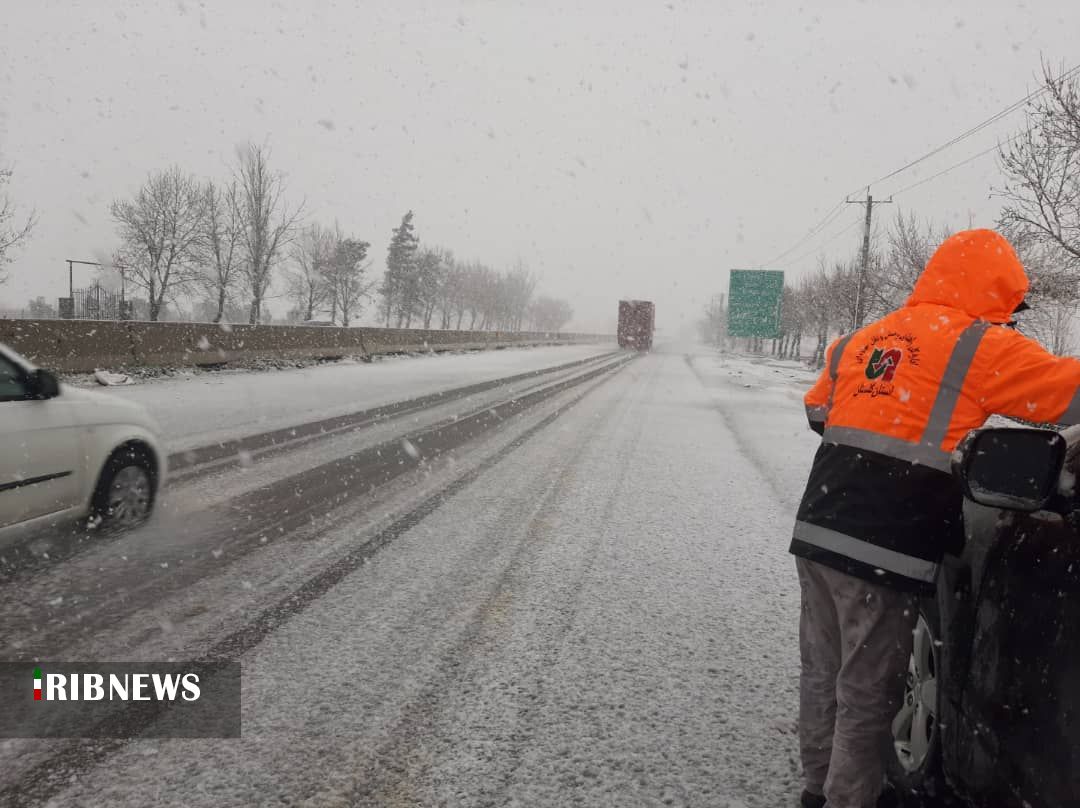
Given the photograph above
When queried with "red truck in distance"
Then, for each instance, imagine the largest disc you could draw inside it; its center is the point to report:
(637, 321)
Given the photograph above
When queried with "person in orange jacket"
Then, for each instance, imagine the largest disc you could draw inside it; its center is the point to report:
(881, 509)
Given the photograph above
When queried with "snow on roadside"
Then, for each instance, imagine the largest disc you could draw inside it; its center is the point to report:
(199, 408)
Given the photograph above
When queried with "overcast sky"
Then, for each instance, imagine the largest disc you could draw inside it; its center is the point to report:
(620, 149)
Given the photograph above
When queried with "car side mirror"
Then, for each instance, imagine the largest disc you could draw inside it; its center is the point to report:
(1013, 469)
(44, 385)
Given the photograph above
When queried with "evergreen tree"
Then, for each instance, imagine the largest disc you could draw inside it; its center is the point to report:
(398, 288)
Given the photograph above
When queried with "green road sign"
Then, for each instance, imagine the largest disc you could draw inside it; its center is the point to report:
(754, 303)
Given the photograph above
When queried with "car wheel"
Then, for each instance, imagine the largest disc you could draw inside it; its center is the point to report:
(125, 494)
(914, 767)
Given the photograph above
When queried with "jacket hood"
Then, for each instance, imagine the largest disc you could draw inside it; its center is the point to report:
(976, 271)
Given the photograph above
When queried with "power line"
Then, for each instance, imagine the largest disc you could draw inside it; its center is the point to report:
(907, 188)
(962, 163)
(828, 219)
(834, 212)
(828, 241)
(969, 132)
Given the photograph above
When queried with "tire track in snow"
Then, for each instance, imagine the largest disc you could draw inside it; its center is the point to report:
(789, 499)
(398, 772)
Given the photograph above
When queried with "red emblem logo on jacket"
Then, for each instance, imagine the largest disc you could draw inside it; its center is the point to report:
(883, 364)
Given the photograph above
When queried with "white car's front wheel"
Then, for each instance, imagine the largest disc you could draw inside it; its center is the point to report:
(126, 490)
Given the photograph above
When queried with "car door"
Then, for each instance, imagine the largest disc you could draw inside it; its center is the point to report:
(39, 450)
(1021, 702)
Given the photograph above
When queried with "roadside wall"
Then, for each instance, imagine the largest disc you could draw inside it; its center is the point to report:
(82, 346)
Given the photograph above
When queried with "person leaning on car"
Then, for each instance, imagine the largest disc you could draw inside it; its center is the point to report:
(880, 507)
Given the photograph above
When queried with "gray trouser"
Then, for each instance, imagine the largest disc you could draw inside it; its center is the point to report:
(854, 640)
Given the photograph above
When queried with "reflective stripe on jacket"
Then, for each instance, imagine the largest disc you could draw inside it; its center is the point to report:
(897, 396)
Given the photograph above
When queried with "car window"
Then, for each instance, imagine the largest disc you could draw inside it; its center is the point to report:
(12, 382)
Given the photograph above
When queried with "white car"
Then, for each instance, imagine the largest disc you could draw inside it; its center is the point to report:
(69, 454)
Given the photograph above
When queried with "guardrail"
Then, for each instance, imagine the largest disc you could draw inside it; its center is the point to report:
(82, 346)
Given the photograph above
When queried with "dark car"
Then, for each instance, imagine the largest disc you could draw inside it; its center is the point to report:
(991, 712)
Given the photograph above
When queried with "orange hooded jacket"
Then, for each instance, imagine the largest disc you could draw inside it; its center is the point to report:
(943, 348)
(902, 392)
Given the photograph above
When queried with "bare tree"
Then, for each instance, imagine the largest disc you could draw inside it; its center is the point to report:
(713, 324)
(1042, 211)
(1042, 169)
(206, 310)
(451, 293)
(1053, 298)
(12, 232)
(460, 298)
(160, 229)
(907, 249)
(433, 265)
(842, 290)
(518, 288)
(311, 252)
(480, 295)
(1053, 323)
(820, 311)
(40, 309)
(346, 277)
(421, 282)
(219, 249)
(267, 222)
(549, 313)
(791, 325)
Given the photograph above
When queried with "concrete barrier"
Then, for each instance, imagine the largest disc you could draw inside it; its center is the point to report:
(82, 346)
(70, 345)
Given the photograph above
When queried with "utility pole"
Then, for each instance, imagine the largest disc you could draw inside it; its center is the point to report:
(865, 260)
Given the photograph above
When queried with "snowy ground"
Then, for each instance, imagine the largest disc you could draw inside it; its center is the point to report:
(605, 615)
(203, 407)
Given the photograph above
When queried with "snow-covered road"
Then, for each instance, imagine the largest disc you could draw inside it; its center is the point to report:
(601, 612)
